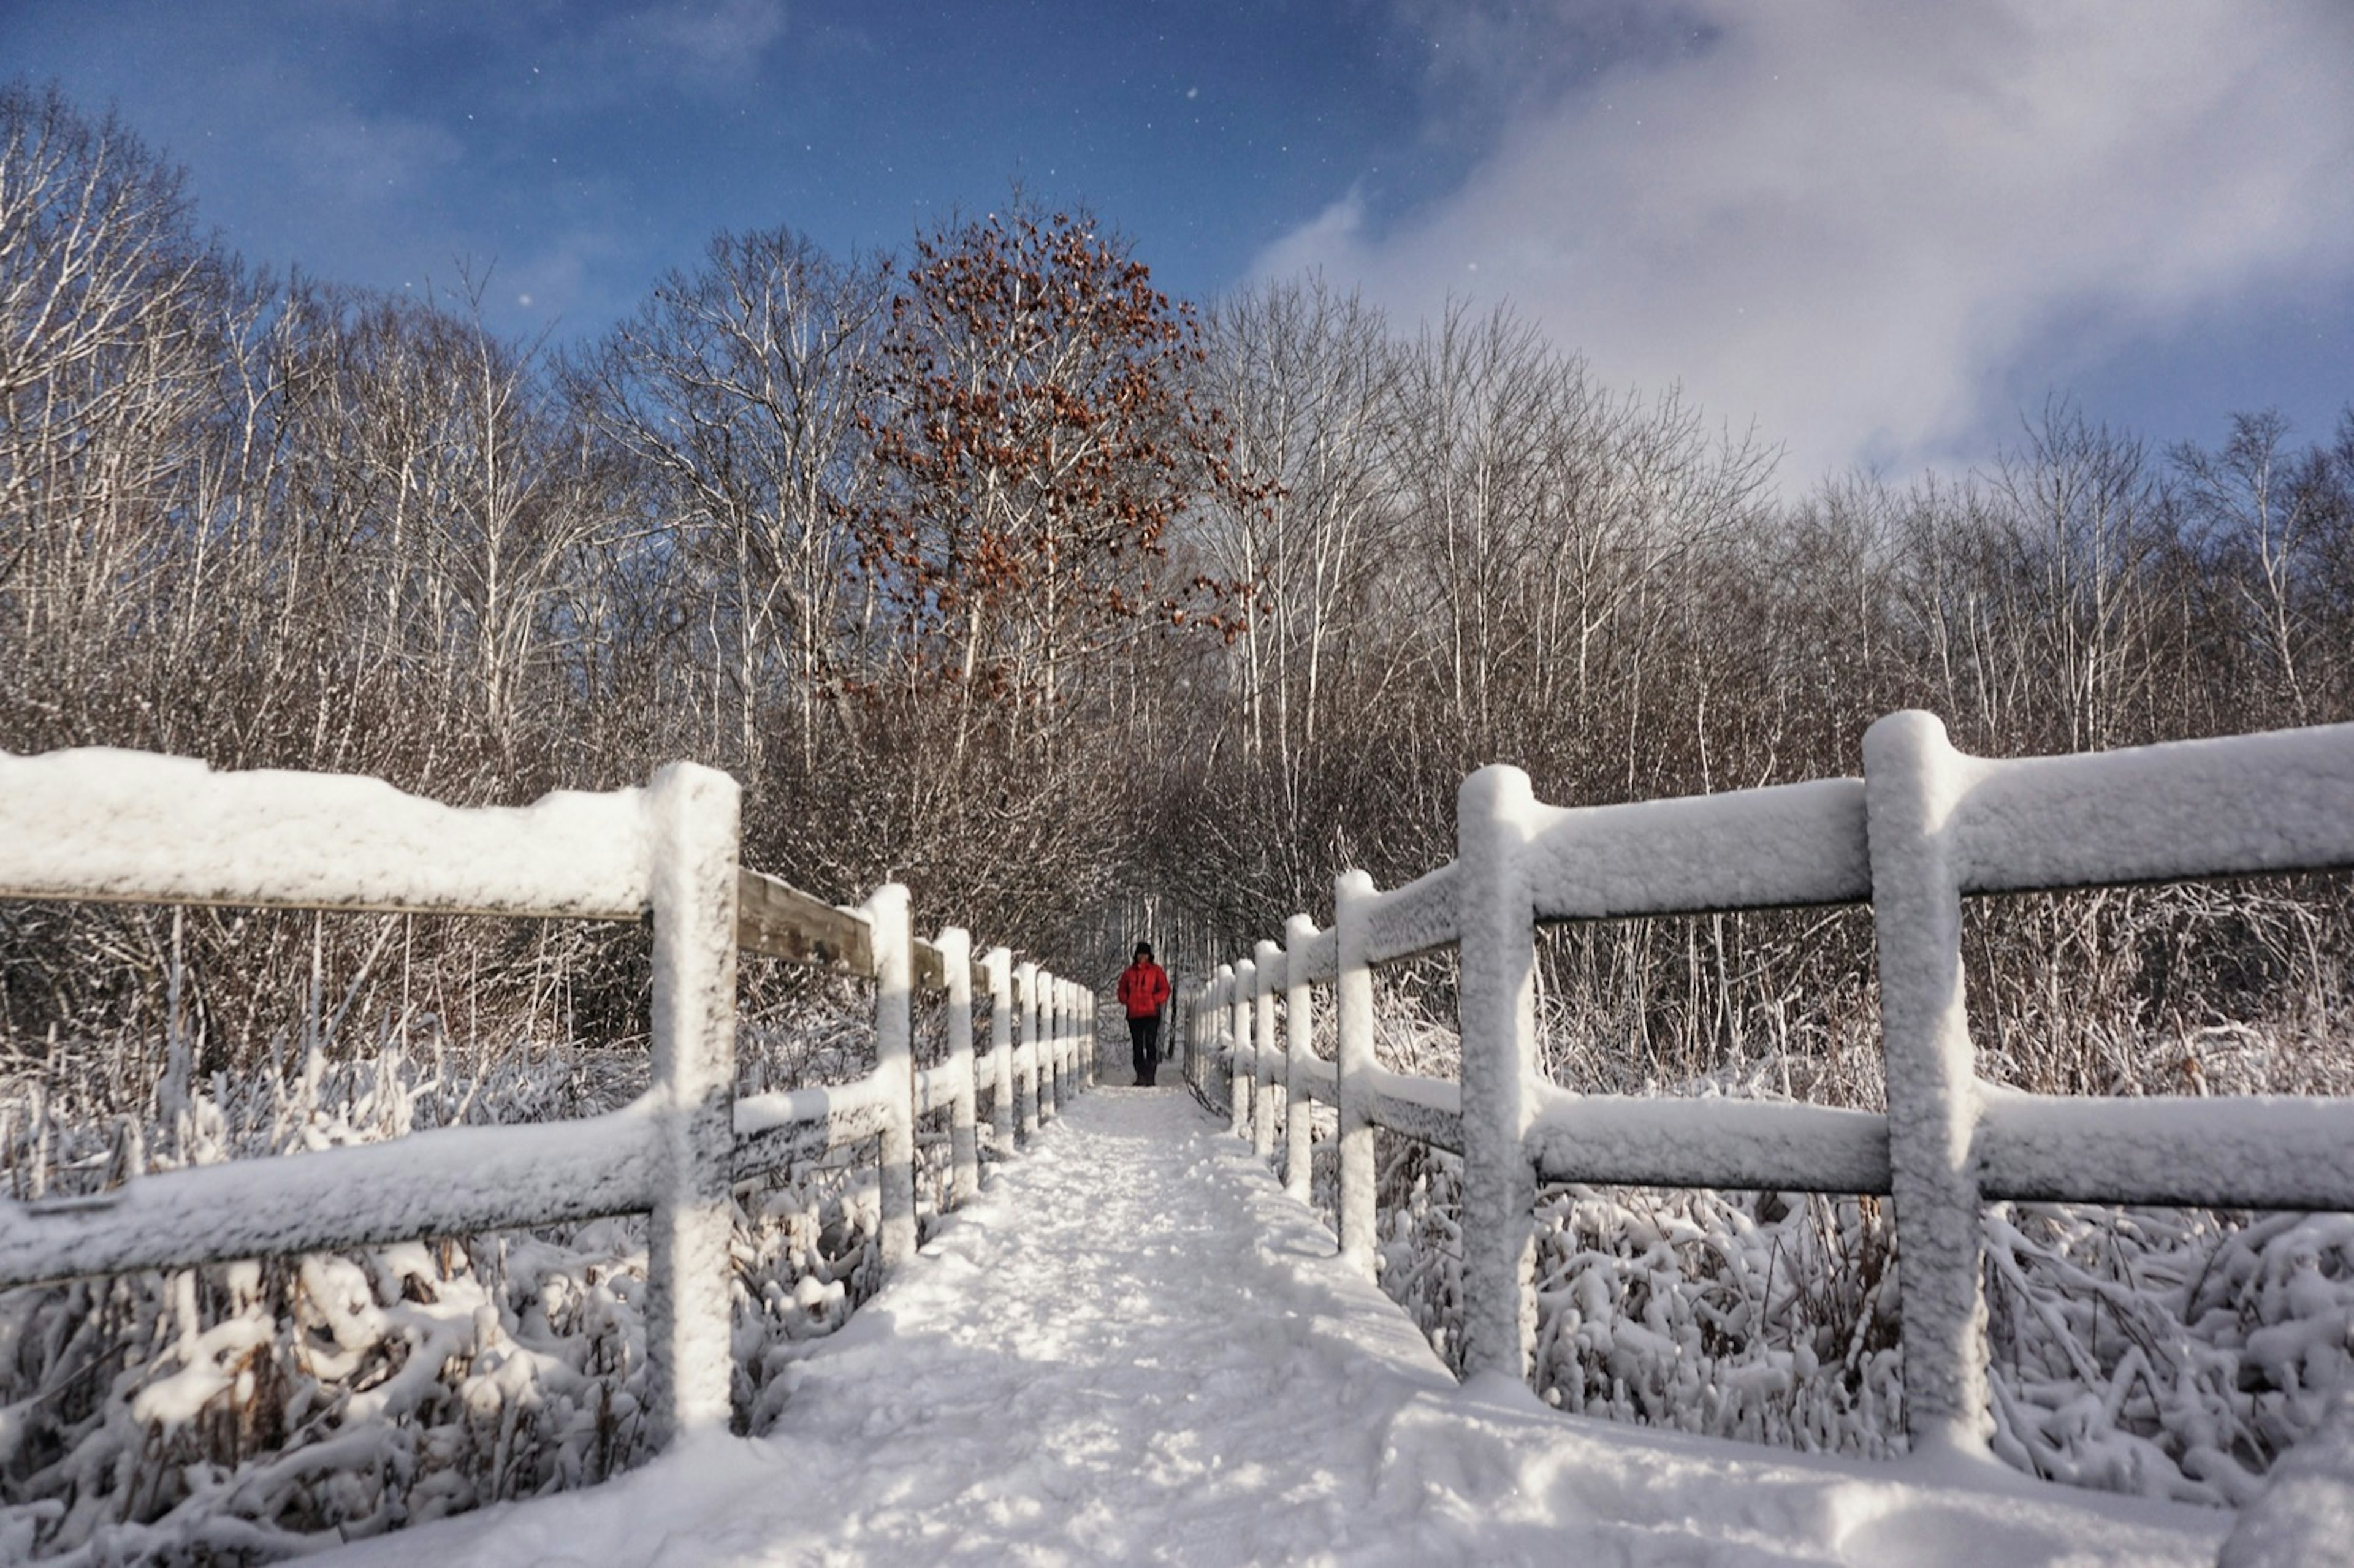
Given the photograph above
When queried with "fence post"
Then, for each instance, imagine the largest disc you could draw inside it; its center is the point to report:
(1202, 1022)
(1240, 1078)
(1066, 1053)
(1058, 1041)
(1299, 1026)
(1087, 1045)
(1495, 999)
(1189, 1037)
(1264, 1051)
(1353, 1021)
(694, 815)
(1000, 964)
(1058, 1022)
(964, 1148)
(1050, 998)
(1175, 1046)
(1197, 1018)
(1912, 780)
(1216, 1013)
(1025, 1023)
(895, 1064)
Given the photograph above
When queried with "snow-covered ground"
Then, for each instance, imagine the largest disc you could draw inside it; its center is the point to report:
(1135, 1348)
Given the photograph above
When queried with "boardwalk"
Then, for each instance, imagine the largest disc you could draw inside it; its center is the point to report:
(1134, 1349)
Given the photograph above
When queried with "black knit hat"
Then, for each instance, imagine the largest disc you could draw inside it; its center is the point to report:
(1143, 950)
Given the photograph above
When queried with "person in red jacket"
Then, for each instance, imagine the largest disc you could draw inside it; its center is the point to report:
(1143, 991)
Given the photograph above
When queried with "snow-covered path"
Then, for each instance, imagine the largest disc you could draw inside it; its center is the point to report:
(1135, 1349)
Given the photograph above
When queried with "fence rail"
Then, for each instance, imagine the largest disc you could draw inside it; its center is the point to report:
(130, 827)
(1925, 827)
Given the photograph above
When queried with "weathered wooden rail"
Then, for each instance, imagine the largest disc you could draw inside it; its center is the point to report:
(130, 827)
(1925, 827)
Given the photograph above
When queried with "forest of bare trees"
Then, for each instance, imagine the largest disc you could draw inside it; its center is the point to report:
(989, 566)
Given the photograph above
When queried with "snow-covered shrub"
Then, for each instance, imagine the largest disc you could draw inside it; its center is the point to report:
(248, 1411)
(2164, 1352)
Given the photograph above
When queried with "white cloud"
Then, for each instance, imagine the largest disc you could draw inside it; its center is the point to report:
(1853, 220)
(713, 45)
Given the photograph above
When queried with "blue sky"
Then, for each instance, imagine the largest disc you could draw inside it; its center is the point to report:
(1875, 230)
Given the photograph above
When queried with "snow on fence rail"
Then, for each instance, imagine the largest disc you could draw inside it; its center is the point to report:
(120, 826)
(1924, 828)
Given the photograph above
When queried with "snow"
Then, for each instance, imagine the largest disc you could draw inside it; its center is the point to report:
(1135, 1348)
(2306, 1517)
(1659, 1141)
(1429, 1109)
(2256, 1152)
(1313, 959)
(447, 1181)
(1314, 1078)
(785, 1124)
(1412, 920)
(939, 1087)
(109, 824)
(2278, 802)
(1789, 844)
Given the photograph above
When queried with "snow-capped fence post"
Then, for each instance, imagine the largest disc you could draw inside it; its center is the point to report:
(1190, 1040)
(1025, 1025)
(1264, 1049)
(1048, 988)
(1496, 1009)
(1241, 1074)
(1299, 1025)
(1197, 1039)
(895, 1064)
(1050, 1085)
(1208, 1022)
(999, 965)
(1183, 1025)
(1060, 1034)
(1912, 780)
(1069, 1089)
(1353, 1021)
(1208, 1013)
(1067, 1055)
(1206, 1027)
(964, 1148)
(692, 813)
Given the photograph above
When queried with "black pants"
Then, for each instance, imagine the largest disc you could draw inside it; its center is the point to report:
(1144, 1046)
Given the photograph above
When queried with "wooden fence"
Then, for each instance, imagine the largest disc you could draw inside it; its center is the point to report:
(130, 827)
(1925, 827)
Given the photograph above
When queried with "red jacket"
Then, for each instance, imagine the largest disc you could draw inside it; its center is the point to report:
(1143, 987)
